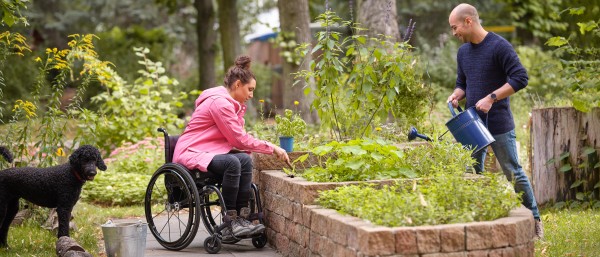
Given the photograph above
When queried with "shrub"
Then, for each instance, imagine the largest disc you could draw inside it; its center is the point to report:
(129, 169)
(445, 199)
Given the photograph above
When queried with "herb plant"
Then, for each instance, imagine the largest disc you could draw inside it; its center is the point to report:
(290, 124)
(443, 199)
(366, 159)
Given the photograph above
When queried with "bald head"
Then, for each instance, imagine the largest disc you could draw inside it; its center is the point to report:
(463, 11)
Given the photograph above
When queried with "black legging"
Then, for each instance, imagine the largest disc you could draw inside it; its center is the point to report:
(236, 171)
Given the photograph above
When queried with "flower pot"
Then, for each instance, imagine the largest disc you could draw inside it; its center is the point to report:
(287, 143)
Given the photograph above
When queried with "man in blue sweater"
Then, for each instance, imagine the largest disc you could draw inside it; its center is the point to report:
(489, 71)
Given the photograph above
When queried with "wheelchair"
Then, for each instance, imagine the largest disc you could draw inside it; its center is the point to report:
(177, 199)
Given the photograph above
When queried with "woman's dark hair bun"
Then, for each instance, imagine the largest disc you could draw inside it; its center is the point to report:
(243, 62)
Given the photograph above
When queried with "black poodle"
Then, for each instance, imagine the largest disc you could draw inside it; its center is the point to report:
(54, 187)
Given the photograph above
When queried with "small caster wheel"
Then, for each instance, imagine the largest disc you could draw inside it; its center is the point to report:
(260, 241)
(212, 244)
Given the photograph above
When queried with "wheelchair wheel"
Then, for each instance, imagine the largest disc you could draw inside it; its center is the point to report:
(260, 241)
(212, 244)
(212, 210)
(172, 206)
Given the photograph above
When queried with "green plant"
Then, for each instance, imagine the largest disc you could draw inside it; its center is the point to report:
(587, 161)
(37, 127)
(443, 199)
(10, 12)
(290, 124)
(580, 65)
(367, 159)
(130, 167)
(131, 112)
(360, 80)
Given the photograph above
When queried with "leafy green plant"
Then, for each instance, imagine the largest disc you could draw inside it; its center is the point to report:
(366, 159)
(443, 199)
(359, 80)
(587, 161)
(290, 124)
(130, 167)
(37, 127)
(131, 112)
(580, 65)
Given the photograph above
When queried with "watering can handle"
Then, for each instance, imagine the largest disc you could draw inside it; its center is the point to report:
(452, 109)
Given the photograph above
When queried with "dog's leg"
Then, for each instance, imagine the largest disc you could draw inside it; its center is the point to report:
(7, 214)
(64, 215)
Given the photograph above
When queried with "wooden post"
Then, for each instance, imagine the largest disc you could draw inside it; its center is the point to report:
(556, 131)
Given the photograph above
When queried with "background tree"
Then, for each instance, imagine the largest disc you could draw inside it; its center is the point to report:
(207, 47)
(379, 17)
(229, 27)
(294, 21)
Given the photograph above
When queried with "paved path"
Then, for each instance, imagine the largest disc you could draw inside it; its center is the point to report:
(196, 248)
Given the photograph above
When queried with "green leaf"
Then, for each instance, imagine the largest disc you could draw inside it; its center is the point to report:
(319, 46)
(585, 27)
(576, 184)
(564, 155)
(353, 149)
(350, 51)
(597, 165)
(597, 185)
(355, 165)
(557, 41)
(551, 161)
(577, 10)
(588, 150)
(580, 196)
(361, 39)
(565, 168)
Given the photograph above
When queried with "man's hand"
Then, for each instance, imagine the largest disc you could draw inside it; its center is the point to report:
(453, 99)
(484, 104)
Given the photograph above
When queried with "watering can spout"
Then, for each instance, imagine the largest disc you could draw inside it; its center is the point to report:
(413, 133)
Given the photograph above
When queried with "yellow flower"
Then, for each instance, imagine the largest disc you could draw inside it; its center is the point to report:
(60, 152)
(261, 100)
(38, 59)
(378, 128)
(296, 103)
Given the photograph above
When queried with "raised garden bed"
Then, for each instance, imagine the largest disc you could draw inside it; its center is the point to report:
(297, 227)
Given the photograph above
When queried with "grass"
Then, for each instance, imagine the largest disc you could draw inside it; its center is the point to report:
(570, 233)
(29, 239)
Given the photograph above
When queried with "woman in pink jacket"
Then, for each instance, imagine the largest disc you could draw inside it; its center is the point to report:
(214, 137)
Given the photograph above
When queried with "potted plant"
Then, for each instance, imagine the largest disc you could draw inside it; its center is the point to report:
(288, 126)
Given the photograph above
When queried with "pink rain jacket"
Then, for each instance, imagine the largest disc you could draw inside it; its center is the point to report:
(216, 127)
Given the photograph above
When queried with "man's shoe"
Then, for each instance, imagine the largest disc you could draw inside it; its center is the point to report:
(539, 229)
(255, 229)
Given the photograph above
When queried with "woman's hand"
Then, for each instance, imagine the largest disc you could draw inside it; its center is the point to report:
(281, 154)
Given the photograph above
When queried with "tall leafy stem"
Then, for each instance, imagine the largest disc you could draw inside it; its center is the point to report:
(361, 80)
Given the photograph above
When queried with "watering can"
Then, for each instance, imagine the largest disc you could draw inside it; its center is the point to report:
(466, 127)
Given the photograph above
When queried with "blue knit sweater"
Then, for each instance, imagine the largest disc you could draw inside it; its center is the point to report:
(485, 67)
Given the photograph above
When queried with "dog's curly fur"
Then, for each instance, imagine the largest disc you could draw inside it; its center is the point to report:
(53, 187)
(6, 154)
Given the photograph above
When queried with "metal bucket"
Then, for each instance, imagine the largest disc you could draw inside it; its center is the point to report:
(126, 239)
(468, 129)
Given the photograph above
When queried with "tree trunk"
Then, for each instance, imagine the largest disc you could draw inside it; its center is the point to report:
(379, 17)
(558, 131)
(206, 43)
(229, 27)
(294, 17)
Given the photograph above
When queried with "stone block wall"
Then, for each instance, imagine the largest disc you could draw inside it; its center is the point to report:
(297, 227)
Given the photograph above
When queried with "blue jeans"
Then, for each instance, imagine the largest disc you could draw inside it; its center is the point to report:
(505, 149)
